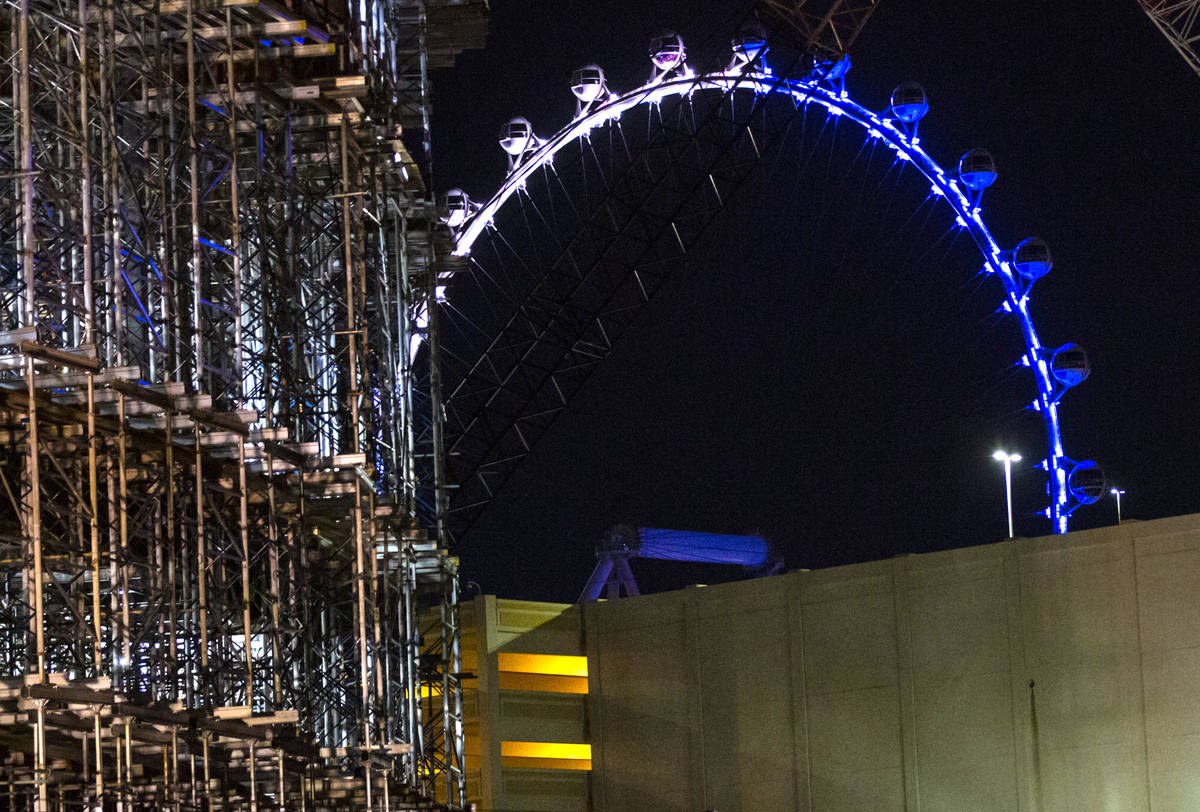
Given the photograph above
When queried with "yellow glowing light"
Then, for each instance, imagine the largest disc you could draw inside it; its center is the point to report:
(546, 755)
(545, 750)
(559, 664)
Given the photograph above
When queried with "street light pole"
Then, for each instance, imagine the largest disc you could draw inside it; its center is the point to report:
(1008, 460)
(1117, 492)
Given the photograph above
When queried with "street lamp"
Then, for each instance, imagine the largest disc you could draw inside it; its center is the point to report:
(1117, 492)
(1008, 460)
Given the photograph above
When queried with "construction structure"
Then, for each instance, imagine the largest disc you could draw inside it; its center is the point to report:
(1179, 22)
(826, 27)
(217, 248)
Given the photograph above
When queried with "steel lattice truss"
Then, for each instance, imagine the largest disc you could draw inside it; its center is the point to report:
(1179, 21)
(829, 26)
(213, 251)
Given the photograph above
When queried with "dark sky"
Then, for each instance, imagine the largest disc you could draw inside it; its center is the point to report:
(711, 414)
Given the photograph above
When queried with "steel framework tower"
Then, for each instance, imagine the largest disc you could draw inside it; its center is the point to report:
(824, 26)
(214, 249)
(1179, 21)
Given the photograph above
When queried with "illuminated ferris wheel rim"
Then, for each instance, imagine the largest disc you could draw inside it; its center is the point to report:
(902, 139)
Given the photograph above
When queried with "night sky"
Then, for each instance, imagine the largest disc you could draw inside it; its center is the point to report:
(843, 418)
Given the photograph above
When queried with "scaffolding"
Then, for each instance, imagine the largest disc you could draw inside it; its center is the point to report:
(216, 252)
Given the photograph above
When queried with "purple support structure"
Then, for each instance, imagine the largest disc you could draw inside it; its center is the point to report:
(612, 573)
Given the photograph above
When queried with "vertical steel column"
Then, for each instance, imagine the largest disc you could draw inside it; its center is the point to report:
(194, 188)
(456, 788)
(32, 485)
(89, 336)
(429, 212)
(354, 394)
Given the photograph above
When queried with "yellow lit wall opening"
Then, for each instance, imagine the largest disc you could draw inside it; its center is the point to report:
(546, 755)
(548, 673)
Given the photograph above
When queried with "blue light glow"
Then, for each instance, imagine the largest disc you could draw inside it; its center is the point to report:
(212, 244)
(214, 108)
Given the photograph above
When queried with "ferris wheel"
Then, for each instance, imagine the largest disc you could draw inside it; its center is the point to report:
(592, 225)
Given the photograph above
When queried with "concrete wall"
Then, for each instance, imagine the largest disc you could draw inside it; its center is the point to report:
(493, 714)
(1058, 673)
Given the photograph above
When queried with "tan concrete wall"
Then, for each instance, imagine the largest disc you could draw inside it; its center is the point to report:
(492, 715)
(1059, 673)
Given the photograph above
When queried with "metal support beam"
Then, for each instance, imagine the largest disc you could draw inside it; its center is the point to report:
(1179, 22)
(824, 26)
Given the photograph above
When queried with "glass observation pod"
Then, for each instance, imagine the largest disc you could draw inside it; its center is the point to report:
(749, 45)
(1032, 258)
(456, 208)
(666, 51)
(977, 169)
(516, 136)
(1087, 482)
(587, 83)
(1070, 365)
(909, 103)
